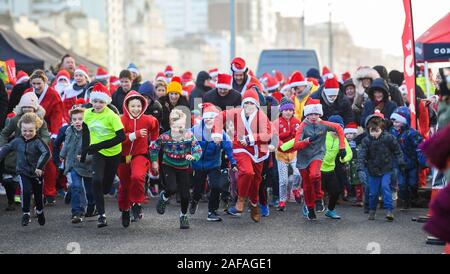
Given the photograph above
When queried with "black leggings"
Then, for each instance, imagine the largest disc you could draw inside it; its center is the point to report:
(104, 172)
(177, 180)
(28, 186)
(333, 187)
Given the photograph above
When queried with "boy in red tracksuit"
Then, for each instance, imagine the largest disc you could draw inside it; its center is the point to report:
(251, 137)
(50, 100)
(139, 130)
(310, 141)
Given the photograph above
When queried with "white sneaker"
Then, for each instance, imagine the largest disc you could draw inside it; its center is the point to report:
(394, 195)
(2, 190)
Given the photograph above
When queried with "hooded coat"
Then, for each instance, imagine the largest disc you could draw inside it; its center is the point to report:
(341, 106)
(394, 92)
(200, 89)
(370, 106)
(361, 94)
(135, 144)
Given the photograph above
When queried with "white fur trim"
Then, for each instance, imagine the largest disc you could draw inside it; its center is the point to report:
(298, 84)
(313, 109)
(80, 71)
(168, 72)
(249, 99)
(350, 130)
(235, 69)
(102, 77)
(101, 96)
(223, 86)
(331, 91)
(217, 135)
(273, 87)
(22, 80)
(65, 78)
(210, 115)
(132, 136)
(54, 136)
(214, 74)
(398, 117)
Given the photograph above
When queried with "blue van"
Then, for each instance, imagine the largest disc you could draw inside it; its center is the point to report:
(287, 61)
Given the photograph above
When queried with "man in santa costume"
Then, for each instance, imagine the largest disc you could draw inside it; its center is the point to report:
(241, 78)
(251, 135)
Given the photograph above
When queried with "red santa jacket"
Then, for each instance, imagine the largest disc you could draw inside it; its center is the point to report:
(285, 130)
(134, 143)
(257, 129)
(51, 102)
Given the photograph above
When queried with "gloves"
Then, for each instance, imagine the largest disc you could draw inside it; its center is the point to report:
(362, 177)
(342, 153)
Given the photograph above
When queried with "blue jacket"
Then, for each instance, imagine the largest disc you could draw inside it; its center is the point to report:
(408, 138)
(211, 153)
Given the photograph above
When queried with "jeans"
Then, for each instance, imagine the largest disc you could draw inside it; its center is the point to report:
(408, 184)
(374, 185)
(30, 186)
(82, 193)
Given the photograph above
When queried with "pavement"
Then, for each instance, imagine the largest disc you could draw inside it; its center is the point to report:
(280, 233)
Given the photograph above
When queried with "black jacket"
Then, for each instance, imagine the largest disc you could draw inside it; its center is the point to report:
(200, 89)
(3, 104)
(341, 106)
(378, 155)
(232, 99)
(117, 99)
(167, 108)
(31, 155)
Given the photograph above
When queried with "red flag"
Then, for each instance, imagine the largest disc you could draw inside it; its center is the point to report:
(11, 69)
(410, 63)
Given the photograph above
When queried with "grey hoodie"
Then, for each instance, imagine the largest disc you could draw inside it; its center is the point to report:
(31, 155)
(71, 149)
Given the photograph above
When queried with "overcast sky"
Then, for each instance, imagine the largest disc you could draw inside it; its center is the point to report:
(372, 23)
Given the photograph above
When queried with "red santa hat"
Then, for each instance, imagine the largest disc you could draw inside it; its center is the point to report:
(210, 111)
(102, 74)
(168, 70)
(224, 81)
(251, 95)
(22, 77)
(82, 70)
(346, 76)
(100, 92)
(297, 79)
(326, 72)
(251, 73)
(187, 77)
(279, 76)
(160, 77)
(351, 128)
(272, 84)
(63, 74)
(213, 72)
(114, 80)
(331, 87)
(313, 81)
(238, 65)
(313, 106)
(176, 79)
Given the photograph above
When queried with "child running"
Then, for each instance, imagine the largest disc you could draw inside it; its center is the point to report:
(32, 156)
(310, 141)
(139, 130)
(79, 175)
(105, 134)
(179, 148)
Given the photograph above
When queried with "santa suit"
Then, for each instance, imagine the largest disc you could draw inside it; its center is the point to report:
(51, 102)
(132, 174)
(70, 97)
(250, 159)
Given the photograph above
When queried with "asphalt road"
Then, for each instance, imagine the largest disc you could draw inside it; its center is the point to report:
(281, 233)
